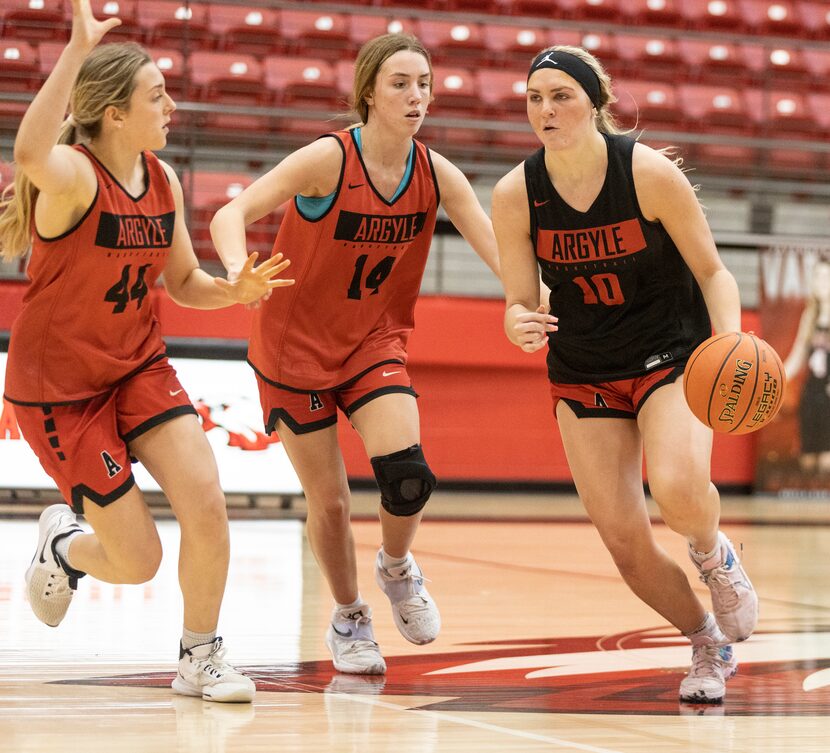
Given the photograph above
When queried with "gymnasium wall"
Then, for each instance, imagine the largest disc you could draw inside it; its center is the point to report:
(485, 409)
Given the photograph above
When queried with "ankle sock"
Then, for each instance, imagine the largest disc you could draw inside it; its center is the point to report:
(190, 639)
(387, 561)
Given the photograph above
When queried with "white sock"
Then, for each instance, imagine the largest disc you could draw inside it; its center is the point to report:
(701, 557)
(387, 561)
(358, 602)
(62, 548)
(191, 639)
(708, 633)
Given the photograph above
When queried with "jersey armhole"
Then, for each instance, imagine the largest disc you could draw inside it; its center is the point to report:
(334, 194)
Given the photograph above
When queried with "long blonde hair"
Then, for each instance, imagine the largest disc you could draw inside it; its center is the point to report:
(107, 78)
(371, 57)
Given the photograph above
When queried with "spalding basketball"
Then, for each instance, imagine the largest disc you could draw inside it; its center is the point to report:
(734, 383)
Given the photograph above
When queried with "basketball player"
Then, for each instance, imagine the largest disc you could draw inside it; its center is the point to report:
(812, 348)
(358, 229)
(87, 369)
(634, 277)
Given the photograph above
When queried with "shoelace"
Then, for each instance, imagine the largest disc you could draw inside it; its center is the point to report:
(57, 585)
(726, 589)
(214, 663)
(707, 662)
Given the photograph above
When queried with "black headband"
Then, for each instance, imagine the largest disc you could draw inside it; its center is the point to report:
(575, 67)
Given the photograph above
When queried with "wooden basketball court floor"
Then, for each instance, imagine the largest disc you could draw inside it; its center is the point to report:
(542, 649)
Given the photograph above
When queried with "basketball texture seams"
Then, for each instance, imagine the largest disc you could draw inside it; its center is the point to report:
(734, 382)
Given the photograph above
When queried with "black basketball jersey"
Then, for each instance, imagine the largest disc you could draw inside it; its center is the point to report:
(626, 301)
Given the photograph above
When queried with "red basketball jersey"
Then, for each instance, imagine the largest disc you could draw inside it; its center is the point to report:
(358, 270)
(87, 320)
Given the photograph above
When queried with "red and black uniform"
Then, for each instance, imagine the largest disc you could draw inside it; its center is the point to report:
(87, 329)
(358, 271)
(627, 303)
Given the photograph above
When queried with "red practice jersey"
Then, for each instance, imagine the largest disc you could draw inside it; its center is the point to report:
(358, 271)
(87, 320)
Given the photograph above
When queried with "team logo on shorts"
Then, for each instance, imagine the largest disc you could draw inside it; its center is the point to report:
(315, 403)
(112, 467)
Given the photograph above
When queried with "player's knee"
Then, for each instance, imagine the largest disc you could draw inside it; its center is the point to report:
(405, 481)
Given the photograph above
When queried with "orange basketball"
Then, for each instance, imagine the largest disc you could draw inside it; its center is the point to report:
(734, 383)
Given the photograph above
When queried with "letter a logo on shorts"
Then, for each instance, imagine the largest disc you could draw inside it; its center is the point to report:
(599, 401)
(112, 466)
(316, 403)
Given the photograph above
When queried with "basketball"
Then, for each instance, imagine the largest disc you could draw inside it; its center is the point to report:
(734, 383)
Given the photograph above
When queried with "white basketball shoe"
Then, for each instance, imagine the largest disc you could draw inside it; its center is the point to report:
(414, 610)
(351, 640)
(203, 672)
(711, 667)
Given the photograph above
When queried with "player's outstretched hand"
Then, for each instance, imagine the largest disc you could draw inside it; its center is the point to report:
(86, 29)
(254, 284)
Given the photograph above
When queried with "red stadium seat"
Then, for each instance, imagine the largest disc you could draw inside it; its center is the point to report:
(773, 17)
(302, 82)
(532, 8)
(363, 28)
(503, 92)
(654, 12)
(714, 61)
(719, 108)
(799, 162)
(453, 43)
(19, 70)
(228, 78)
(455, 93)
(316, 34)
(646, 103)
(781, 112)
(650, 57)
(177, 79)
(781, 66)
(816, 19)
(818, 64)
(252, 30)
(34, 20)
(820, 107)
(472, 6)
(734, 158)
(514, 46)
(720, 15)
(178, 25)
(591, 10)
(205, 194)
(130, 29)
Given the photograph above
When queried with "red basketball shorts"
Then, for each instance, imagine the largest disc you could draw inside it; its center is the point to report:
(619, 399)
(304, 412)
(84, 446)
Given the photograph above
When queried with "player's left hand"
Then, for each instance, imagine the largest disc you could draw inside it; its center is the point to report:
(252, 285)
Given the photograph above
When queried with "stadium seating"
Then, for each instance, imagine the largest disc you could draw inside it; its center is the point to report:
(646, 104)
(591, 10)
(362, 28)
(301, 82)
(251, 30)
(176, 25)
(34, 20)
(653, 12)
(815, 17)
(177, 80)
(453, 43)
(716, 108)
(777, 67)
(781, 113)
(503, 93)
(316, 34)
(126, 11)
(650, 57)
(772, 17)
(19, 70)
(714, 62)
(514, 46)
(715, 15)
(455, 93)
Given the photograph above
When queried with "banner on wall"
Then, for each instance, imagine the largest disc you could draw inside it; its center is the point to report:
(793, 453)
(225, 395)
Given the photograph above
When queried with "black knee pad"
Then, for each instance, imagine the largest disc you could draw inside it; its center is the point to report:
(405, 481)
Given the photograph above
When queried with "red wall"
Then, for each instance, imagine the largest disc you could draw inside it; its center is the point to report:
(485, 409)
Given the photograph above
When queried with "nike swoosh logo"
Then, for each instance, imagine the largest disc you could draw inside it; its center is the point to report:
(389, 373)
(540, 203)
(404, 620)
(347, 634)
(173, 394)
(356, 185)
